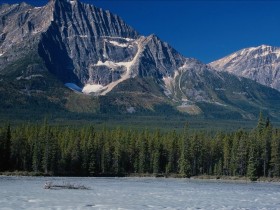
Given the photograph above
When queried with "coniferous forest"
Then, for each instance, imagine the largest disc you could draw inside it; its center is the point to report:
(52, 150)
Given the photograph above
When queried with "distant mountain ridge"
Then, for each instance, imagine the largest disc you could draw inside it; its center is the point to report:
(95, 52)
(261, 64)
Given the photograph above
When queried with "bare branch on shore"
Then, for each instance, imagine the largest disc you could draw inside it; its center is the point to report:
(52, 186)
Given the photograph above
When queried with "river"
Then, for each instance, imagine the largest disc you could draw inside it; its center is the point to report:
(137, 193)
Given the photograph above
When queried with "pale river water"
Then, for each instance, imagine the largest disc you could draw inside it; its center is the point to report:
(137, 193)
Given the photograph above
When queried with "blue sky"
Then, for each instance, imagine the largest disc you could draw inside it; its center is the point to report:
(206, 30)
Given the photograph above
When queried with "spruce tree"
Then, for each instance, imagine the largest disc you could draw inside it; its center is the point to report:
(226, 154)
(261, 124)
(183, 162)
(275, 155)
(5, 149)
(252, 169)
(266, 147)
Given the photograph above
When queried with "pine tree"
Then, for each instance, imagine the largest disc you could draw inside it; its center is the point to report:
(54, 156)
(217, 153)
(76, 156)
(8, 147)
(183, 163)
(171, 152)
(83, 151)
(218, 168)
(155, 153)
(106, 155)
(19, 153)
(36, 156)
(116, 156)
(252, 168)
(233, 155)
(275, 155)
(226, 154)
(242, 153)
(197, 153)
(5, 149)
(261, 124)
(45, 136)
(92, 166)
(266, 149)
(142, 158)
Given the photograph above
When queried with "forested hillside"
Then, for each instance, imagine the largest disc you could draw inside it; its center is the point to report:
(85, 151)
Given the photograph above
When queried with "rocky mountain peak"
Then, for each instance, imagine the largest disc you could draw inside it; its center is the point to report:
(21, 26)
(261, 63)
(93, 51)
(80, 38)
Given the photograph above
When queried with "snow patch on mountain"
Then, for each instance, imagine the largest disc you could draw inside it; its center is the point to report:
(92, 88)
(109, 64)
(118, 37)
(119, 44)
(128, 65)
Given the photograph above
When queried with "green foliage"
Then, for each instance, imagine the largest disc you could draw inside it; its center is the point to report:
(5, 148)
(252, 162)
(251, 171)
(86, 151)
(184, 166)
(275, 155)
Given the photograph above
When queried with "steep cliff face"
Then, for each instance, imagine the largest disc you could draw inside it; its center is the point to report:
(158, 59)
(95, 52)
(79, 37)
(21, 26)
(143, 57)
(261, 64)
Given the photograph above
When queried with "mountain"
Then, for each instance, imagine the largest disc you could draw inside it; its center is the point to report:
(261, 64)
(220, 94)
(71, 58)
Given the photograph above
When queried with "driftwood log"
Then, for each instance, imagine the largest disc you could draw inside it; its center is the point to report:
(50, 185)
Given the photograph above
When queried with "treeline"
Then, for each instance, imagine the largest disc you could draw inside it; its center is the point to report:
(86, 151)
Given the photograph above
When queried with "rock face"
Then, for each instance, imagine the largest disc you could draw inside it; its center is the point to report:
(79, 37)
(84, 45)
(21, 26)
(197, 87)
(261, 64)
(93, 51)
